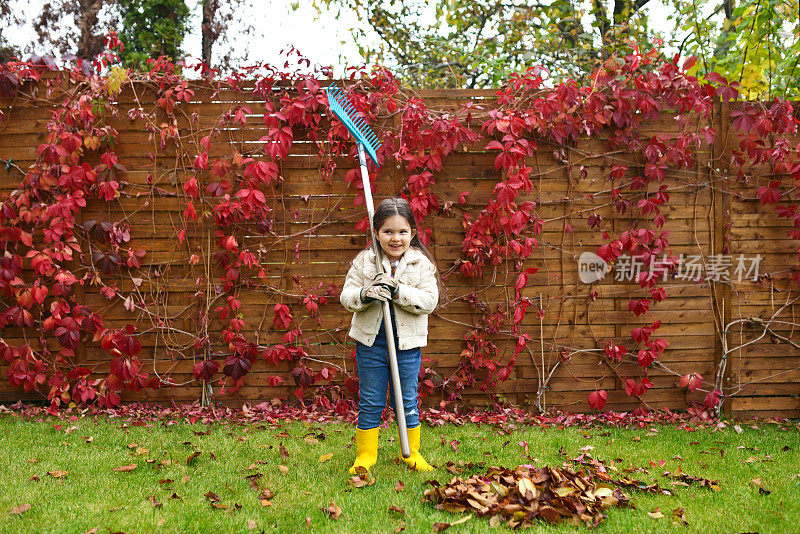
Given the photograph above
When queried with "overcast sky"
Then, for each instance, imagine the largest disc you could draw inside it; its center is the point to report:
(322, 38)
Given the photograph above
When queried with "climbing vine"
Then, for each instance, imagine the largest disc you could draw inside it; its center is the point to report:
(233, 219)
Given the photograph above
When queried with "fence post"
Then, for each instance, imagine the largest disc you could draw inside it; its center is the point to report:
(721, 292)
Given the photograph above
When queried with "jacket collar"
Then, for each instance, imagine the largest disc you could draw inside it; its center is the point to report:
(412, 255)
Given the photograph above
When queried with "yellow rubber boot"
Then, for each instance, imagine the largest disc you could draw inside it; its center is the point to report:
(366, 449)
(416, 461)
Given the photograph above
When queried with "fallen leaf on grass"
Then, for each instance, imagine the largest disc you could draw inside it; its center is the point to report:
(125, 468)
(656, 514)
(325, 457)
(191, 460)
(399, 486)
(254, 480)
(34, 478)
(252, 467)
(397, 509)
(175, 496)
(21, 509)
(361, 478)
(88, 439)
(462, 520)
(266, 497)
(283, 469)
(57, 474)
(166, 481)
(332, 510)
(185, 479)
(440, 527)
(91, 531)
(283, 451)
(401, 527)
(678, 517)
(211, 496)
(154, 501)
(679, 475)
(308, 521)
(33, 460)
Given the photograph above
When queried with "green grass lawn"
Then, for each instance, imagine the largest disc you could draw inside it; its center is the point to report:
(162, 493)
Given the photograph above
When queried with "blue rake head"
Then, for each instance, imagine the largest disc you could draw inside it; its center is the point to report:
(353, 120)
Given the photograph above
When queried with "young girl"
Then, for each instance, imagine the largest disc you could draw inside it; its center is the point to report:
(411, 285)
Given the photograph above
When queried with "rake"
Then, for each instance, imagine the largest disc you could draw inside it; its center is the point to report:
(368, 142)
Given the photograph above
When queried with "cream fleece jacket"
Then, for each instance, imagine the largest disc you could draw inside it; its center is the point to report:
(417, 296)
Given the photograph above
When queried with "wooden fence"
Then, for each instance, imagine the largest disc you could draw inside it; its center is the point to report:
(708, 215)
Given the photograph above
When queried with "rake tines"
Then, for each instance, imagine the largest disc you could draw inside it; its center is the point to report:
(352, 119)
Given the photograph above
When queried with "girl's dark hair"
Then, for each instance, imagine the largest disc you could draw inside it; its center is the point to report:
(400, 206)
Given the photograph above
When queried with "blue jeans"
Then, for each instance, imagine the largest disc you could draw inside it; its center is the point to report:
(374, 378)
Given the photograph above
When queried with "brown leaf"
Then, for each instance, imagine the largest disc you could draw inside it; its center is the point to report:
(21, 509)
(211, 496)
(332, 510)
(175, 496)
(125, 468)
(57, 474)
(440, 527)
(191, 460)
(358, 482)
(212, 455)
(401, 527)
(399, 486)
(254, 480)
(154, 501)
(283, 451)
(166, 481)
(678, 517)
(549, 514)
(88, 439)
(308, 521)
(34, 478)
(397, 509)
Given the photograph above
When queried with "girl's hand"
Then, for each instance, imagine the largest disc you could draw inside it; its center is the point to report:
(386, 281)
(375, 292)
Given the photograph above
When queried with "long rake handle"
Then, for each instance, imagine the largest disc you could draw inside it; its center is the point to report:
(387, 313)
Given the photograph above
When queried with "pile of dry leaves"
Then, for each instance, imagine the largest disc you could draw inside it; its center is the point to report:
(522, 495)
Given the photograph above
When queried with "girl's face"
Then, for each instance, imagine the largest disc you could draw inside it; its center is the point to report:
(395, 236)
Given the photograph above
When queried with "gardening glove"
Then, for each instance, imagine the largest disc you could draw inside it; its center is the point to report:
(387, 281)
(375, 292)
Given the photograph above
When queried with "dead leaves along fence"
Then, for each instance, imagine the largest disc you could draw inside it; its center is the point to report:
(314, 239)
